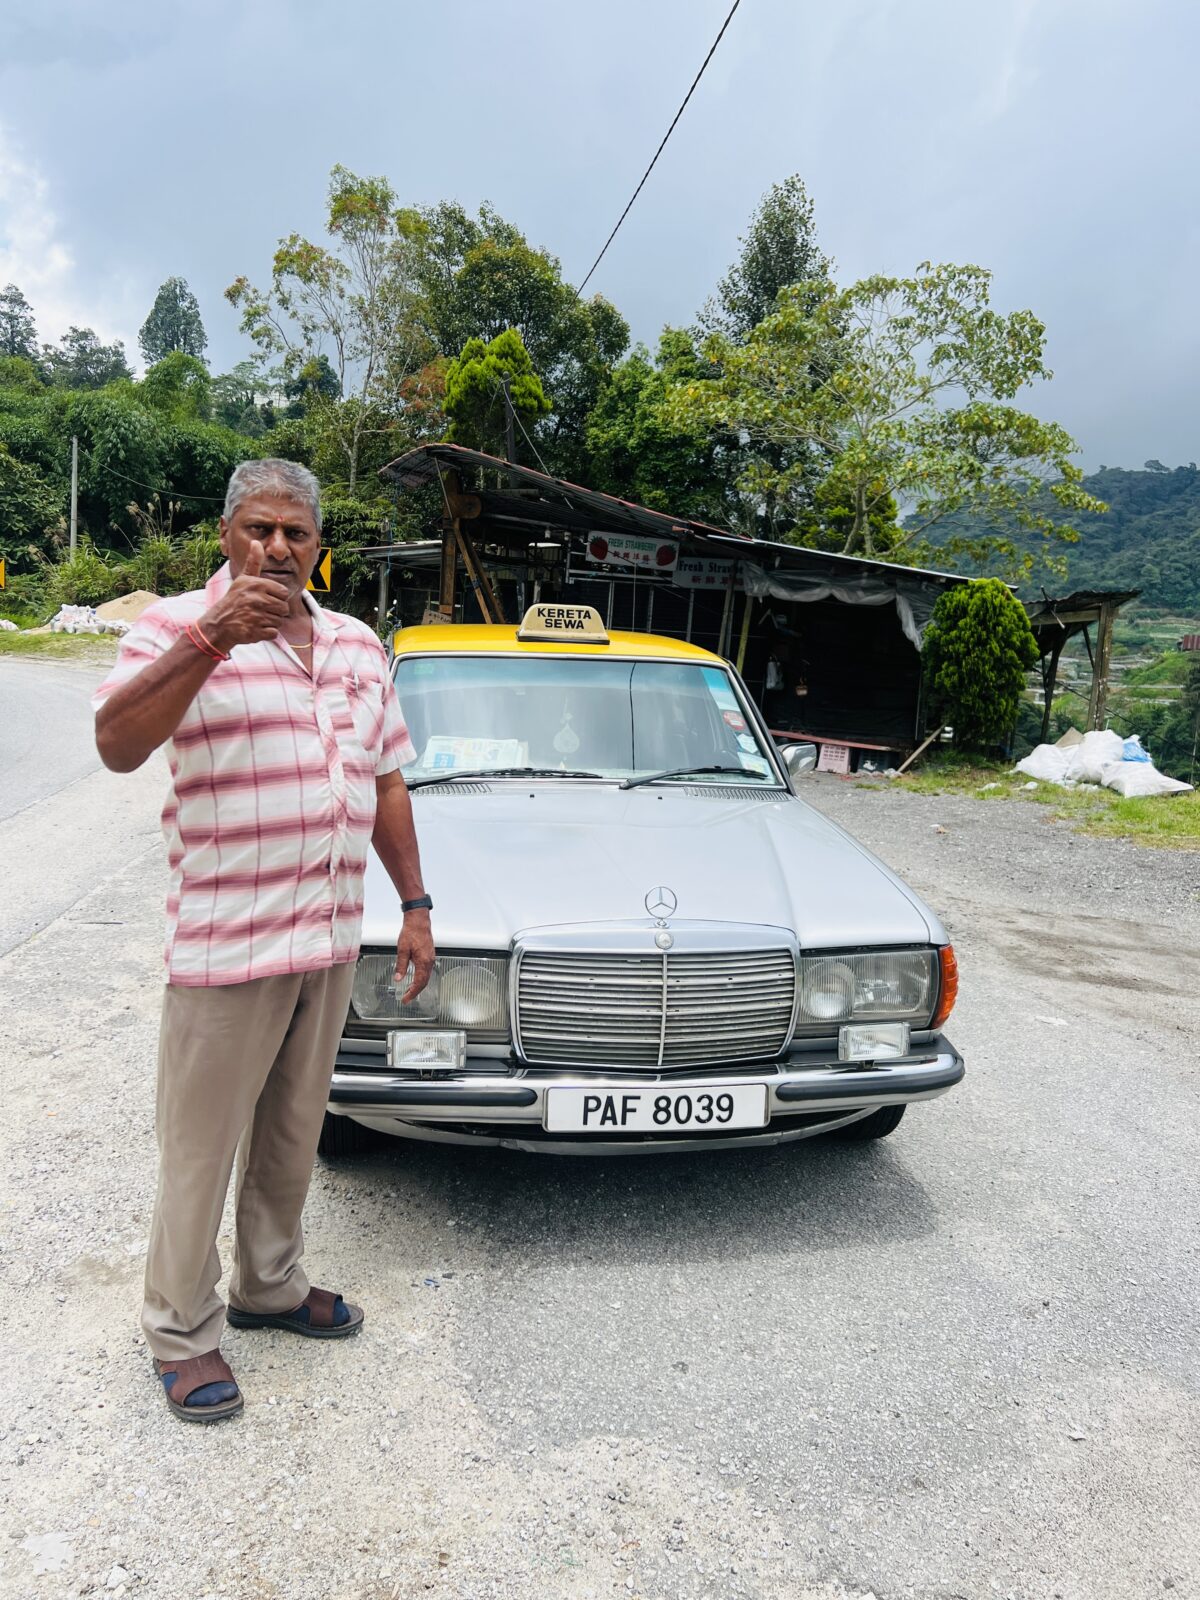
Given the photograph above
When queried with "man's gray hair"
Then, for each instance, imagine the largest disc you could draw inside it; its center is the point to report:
(288, 479)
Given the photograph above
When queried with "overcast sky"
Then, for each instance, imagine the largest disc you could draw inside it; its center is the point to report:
(1053, 141)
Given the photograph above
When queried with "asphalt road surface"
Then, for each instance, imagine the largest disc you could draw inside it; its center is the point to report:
(961, 1363)
(66, 823)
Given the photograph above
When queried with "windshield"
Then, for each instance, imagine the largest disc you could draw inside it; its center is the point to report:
(614, 719)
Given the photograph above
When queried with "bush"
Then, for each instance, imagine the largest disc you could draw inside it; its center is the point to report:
(978, 648)
(84, 579)
(23, 599)
(152, 565)
(197, 557)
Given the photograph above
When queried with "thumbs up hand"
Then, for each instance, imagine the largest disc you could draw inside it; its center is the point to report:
(252, 609)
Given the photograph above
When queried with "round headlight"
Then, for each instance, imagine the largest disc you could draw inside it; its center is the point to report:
(425, 1007)
(470, 995)
(828, 991)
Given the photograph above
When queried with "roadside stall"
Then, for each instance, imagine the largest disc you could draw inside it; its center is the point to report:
(829, 645)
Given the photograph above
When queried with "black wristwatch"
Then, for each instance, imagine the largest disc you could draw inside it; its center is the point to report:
(423, 903)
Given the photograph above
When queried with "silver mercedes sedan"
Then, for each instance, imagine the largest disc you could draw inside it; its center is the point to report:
(647, 940)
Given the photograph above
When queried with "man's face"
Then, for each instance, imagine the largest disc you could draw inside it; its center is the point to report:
(285, 529)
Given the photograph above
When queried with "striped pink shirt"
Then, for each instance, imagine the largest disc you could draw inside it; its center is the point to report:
(272, 801)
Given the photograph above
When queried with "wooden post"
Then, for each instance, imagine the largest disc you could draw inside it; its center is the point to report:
(449, 582)
(384, 572)
(1098, 699)
(725, 637)
(489, 604)
(920, 750)
(1049, 679)
(745, 638)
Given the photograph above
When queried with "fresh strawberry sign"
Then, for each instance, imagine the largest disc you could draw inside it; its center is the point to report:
(633, 550)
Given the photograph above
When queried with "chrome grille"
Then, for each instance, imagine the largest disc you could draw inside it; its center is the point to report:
(676, 1009)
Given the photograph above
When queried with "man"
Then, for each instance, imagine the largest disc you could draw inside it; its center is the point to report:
(284, 741)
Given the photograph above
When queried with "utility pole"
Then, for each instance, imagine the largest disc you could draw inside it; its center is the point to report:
(510, 445)
(74, 491)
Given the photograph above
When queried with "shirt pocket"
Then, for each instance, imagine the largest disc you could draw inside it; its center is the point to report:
(362, 696)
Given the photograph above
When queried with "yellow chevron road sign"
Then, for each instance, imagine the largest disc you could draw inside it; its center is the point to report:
(319, 582)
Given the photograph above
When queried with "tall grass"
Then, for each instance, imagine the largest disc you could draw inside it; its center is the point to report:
(160, 563)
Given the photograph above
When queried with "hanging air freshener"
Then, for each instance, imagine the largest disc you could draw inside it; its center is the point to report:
(566, 740)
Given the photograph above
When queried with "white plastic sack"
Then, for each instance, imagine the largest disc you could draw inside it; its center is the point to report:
(1046, 762)
(1087, 760)
(1140, 777)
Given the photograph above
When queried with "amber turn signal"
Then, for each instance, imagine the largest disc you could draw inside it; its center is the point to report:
(949, 990)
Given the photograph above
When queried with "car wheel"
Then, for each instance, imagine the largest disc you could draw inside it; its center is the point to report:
(342, 1136)
(877, 1126)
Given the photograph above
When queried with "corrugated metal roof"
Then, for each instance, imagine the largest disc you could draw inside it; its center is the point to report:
(571, 506)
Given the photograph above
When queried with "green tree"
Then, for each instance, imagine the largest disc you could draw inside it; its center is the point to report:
(480, 276)
(474, 400)
(18, 335)
(782, 495)
(977, 649)
(81, 361)
(778, 249)
(242, 400)
(360, 304)
(173, 324)
(1190, 693)
(179, 386)
(29, 507)
(637, 452)
(315, 381)
(902, 389)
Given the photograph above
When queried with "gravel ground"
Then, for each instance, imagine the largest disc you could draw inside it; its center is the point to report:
(958, 1364)
(1016, 848)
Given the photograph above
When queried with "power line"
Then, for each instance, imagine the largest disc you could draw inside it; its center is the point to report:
(182, 494)
(661, 148)
(171, 494)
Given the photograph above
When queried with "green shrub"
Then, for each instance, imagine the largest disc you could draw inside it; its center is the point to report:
(978, 648)
(152, 565)
(196, 558)
(23, 599)
(84, 579)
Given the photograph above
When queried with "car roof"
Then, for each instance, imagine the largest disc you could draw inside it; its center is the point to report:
(501, 639)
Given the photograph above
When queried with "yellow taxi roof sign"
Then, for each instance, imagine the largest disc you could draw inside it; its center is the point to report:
(556, 623)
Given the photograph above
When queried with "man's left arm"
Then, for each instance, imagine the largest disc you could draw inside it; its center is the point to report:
(395, 842)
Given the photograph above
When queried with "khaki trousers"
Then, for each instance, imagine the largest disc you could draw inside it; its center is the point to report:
(243, 1068)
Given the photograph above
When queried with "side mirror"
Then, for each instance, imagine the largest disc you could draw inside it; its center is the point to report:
(798, 758)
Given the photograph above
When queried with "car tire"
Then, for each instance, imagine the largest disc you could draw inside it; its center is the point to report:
(342, 1136)
(877, 1126)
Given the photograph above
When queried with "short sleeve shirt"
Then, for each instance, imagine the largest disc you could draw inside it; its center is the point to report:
(272, 802)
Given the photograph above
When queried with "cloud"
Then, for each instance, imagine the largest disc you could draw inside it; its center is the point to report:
(36, 257)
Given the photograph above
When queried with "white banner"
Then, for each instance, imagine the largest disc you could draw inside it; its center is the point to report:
(633, 550)
(702, 572)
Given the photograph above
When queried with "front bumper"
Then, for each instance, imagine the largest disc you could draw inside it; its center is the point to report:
(492, 1103)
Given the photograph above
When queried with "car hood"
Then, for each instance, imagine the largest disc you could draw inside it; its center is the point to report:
(540, 855)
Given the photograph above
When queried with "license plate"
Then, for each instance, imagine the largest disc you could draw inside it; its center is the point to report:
(656, 1108)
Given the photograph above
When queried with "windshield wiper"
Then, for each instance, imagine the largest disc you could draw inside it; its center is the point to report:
(500, 772)
(694, 772)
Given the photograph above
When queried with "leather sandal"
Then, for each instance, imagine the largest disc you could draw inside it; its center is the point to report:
(195, 1373)
(315, 1317)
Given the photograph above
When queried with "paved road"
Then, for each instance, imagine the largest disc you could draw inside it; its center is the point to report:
(66, 824)
(963, 1363)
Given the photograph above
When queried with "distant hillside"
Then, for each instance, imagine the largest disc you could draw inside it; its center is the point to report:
(1149, 540)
